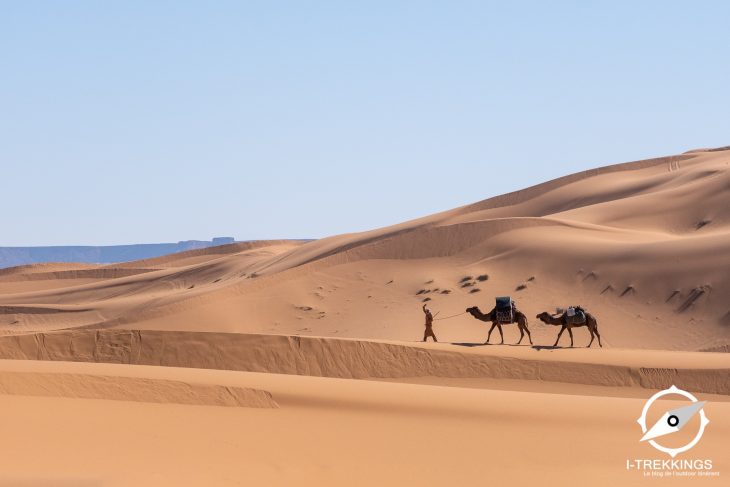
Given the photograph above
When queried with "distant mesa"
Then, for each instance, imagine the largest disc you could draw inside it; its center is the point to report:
(104, 254)
(222, 241)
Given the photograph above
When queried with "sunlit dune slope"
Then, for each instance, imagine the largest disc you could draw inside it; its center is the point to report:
(645, 246)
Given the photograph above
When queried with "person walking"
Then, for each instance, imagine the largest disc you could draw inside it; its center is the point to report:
(429, 325)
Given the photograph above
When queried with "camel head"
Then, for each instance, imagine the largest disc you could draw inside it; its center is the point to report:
(544, 316)
(547, 318)
(474, 310)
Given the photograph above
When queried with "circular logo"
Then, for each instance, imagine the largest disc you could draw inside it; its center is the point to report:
(672, 421)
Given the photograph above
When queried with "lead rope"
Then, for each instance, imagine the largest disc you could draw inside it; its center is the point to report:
(448, 317)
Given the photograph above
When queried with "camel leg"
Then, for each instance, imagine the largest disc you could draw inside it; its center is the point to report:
(501, 335)
(523, 326)
(590, 328)
(599, 337)
(522, 333)
(558, 339)
(570, 332)
(489, 335)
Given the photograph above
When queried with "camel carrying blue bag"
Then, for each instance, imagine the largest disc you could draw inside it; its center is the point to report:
(504, 309)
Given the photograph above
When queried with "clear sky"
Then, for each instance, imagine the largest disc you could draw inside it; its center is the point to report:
(156, 121)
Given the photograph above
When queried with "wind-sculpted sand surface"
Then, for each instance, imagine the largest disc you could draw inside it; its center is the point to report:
(130, 389)
(357, 359)
(329, 431)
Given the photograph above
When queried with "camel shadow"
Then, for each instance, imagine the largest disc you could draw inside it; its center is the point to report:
(551, 347)
(534, 347)
(475, 344)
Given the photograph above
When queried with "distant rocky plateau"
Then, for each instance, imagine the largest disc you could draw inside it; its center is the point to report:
(107, 254)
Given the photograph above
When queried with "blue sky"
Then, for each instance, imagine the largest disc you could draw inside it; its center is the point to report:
(156, 121)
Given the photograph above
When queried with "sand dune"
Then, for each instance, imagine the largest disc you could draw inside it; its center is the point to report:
(160, 344)
(355, 359)
(130, 389)
(332, 432)
(643, 245)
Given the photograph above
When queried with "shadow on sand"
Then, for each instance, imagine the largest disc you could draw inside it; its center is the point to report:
(550, 347)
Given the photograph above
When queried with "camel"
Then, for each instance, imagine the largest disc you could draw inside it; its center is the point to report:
(519, 318)
(562, 320)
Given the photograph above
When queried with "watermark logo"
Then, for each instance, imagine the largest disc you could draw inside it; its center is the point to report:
(662, 433)
(673, 421)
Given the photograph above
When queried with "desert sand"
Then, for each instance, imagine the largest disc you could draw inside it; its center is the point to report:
(299, 362)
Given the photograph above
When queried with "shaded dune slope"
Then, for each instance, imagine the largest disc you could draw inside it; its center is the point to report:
(326, 357)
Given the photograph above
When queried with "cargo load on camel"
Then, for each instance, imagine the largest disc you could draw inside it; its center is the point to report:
(504, 310)
(576, 315)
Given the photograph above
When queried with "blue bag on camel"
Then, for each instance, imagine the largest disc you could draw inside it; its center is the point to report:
(504, 309)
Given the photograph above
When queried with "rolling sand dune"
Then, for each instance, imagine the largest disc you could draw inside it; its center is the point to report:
(160, 345)
(355, 359)
(332, 432)
(642, 245)
(130, 389)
